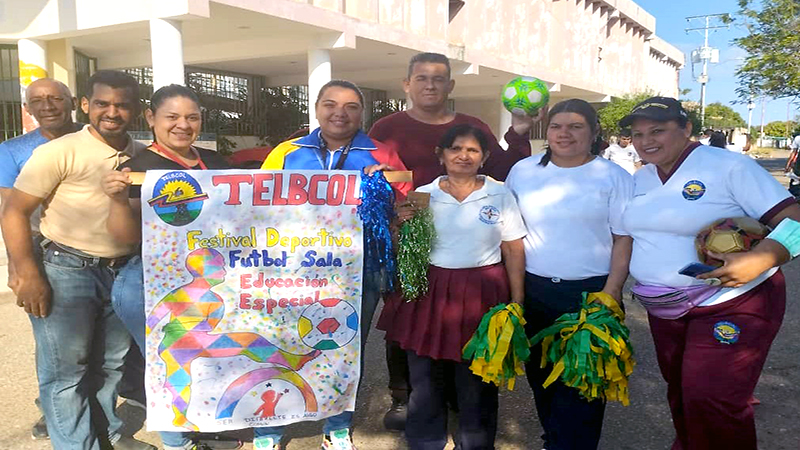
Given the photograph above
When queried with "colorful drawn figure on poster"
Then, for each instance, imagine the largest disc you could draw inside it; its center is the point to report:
(270, 400)
(195, 310)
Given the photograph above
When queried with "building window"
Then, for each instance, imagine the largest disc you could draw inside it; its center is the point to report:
(455, 6)
(10, 96)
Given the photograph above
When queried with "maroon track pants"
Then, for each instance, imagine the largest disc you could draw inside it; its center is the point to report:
(711, 376)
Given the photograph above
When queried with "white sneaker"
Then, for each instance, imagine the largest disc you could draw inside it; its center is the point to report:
(266, 443)
(338, 440)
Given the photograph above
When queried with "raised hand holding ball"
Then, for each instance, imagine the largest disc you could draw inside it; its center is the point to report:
(525, 96)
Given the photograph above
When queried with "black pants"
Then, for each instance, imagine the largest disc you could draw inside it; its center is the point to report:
(426, 426)
(570, 422)
(397, 363)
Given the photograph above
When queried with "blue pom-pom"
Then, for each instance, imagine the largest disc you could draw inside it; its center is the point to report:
(376, 211)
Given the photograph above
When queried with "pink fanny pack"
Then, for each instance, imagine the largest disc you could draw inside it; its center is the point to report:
(671, 303)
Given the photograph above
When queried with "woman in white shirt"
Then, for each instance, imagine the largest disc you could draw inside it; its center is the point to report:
(477, 226)
(572, 204)
(711, 339)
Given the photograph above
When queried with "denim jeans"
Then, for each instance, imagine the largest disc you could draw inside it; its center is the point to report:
(127, 298)
(370, 295)
(80, 349)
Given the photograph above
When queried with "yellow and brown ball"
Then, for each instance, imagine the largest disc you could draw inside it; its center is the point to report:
(737, 234)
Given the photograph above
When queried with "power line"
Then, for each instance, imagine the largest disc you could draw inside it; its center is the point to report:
(706, 54)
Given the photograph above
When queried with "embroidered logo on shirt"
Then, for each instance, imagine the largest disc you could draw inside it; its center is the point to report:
(177, 198)
(693, 190)
(489, 215)
(726, 332)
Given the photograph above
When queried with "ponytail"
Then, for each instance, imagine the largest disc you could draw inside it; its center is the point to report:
(546, 158)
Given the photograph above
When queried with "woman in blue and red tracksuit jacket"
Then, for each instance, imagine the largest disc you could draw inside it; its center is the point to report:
(338, 144)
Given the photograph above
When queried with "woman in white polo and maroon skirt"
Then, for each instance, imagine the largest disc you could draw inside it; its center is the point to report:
(477, 262)
(712, 333)
(572, 203)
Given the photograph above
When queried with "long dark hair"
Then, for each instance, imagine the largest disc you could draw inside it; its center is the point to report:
(577, 106)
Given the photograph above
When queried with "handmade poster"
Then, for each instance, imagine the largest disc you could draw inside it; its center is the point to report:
(253, 293)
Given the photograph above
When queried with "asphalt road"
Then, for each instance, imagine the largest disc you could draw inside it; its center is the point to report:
(644, 425)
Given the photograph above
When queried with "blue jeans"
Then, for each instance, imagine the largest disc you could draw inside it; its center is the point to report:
(127, 298)
(80, 349)
(370, 295)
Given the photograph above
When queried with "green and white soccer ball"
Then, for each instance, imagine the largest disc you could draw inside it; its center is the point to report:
(525, 95)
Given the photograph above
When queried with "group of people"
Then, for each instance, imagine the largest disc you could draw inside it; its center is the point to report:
(716, 138)
(538, 230)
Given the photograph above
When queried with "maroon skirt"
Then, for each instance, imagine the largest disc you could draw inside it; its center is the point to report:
(441, 322)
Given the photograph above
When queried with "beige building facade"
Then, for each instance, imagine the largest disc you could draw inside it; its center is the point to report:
(590, 49)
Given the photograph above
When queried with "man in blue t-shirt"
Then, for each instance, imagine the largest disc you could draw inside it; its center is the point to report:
(51, 103)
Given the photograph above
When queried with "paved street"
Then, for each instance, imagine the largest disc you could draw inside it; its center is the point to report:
(644, 425)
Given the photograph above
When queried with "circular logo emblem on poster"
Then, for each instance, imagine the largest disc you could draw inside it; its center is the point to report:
(489, 215)
(177, 198)
(693, 190)
(331, 323)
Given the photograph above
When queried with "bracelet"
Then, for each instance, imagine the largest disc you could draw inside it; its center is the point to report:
(787, 233)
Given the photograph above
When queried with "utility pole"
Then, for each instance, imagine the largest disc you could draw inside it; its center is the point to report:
(705, 54)
(761, 132)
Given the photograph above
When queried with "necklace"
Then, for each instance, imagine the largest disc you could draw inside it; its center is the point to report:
(174, 158)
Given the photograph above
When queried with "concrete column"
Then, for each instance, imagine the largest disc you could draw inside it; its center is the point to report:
(319, 73)
(32, 64)
(504, 123)
(166, 48)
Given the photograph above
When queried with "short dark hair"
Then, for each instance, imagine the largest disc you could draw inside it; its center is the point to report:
(436, 58)
(625, 133)
(462, 130)
(165, 93)
(577, 106)
(113, 79)
(717, 139)
(343, 84)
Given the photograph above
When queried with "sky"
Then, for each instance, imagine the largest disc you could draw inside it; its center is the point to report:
(671, 25)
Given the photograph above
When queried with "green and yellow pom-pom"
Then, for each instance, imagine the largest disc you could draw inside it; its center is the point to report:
(590, 350)
(499, 348)
(414, 254)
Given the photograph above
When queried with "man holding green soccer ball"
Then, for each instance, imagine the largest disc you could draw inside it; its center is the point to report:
(414, 134)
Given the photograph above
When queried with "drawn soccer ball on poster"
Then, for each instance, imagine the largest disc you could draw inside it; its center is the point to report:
(738, 234)
(331, 323)
(525, 95)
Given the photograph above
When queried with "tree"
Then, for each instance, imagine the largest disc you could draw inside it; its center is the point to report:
(773, 43)
(778, 128)
(722, 116)
(618, 108)
(692, 109)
